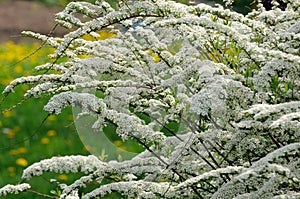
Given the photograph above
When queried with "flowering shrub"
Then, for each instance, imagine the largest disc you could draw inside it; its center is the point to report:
(230, 82)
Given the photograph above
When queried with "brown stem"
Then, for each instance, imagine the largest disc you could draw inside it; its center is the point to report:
(219, 152)
(164, 162)
(29, 137)
(274, 140)
(41, 194)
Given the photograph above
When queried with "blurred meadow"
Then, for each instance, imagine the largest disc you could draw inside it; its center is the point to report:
(22, 140)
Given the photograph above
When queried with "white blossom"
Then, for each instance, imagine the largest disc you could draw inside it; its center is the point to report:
(13, 189)
(212, 95)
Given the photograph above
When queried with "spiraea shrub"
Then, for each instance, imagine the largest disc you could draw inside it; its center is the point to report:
(228, 82)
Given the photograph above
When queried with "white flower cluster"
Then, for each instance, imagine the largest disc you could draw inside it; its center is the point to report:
(13, 189)
(63, 165)
(212, 95)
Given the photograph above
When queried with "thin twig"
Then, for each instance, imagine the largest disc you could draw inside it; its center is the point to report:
(41, 194)
(29, 137)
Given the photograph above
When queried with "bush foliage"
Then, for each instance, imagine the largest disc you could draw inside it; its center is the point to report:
(229, 82)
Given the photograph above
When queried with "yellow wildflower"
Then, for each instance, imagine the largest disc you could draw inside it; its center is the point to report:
(122, 148)
(7, 80)
(7, 114)
(45, 140)
(11, 134)
(52, 118)
(10, 57)
(105, 35)
(155, 56)
(118, 142)
(13, 152)
(18, 69)
(70, 117)
(22, 150)
(63, 177)
(83, 56)
(51, 133)
(22, 162)
(11, 169)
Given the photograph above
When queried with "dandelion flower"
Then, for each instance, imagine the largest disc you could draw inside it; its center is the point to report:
(63, 177)
(51, 133)
(122, 148)
(22, 150)
(11, 134)
(22, 162)
(45, 140)
(52, 118)
(18, 69)
(11, 169)
(118, 142)
(7, 114)
(13, 152)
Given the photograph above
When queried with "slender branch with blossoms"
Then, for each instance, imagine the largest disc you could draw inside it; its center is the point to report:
(231, 82)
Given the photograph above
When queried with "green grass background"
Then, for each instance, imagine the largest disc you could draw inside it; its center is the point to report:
(22, 142)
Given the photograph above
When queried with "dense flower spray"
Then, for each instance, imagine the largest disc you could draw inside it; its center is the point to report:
(231, 82)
